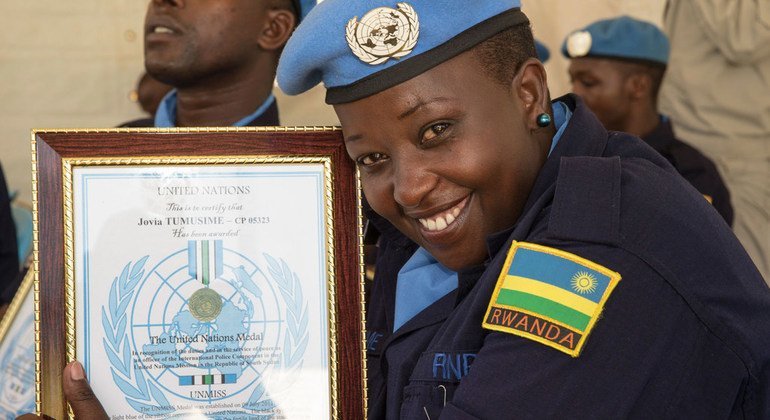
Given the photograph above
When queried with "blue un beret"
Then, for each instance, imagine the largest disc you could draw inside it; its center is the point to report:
(543, 54)
(303, 7)
(358, 48)
(622, 38)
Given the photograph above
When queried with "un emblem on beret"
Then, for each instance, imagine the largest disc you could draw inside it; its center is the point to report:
(579, 43)
(383, 33)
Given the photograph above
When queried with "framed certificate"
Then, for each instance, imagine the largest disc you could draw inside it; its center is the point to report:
(17, 353)
(209, 272)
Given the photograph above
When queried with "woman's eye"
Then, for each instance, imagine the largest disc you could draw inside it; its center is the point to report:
(371, 159)
(434, 131)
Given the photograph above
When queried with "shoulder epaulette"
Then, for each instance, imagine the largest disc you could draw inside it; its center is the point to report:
(586, 204)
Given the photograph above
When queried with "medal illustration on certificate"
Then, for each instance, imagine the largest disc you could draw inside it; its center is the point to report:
(216, 341)
(216, 313)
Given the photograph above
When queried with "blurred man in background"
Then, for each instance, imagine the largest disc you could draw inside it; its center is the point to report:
(220, 57)
(149, 93)
(543, 53)
(617, 66)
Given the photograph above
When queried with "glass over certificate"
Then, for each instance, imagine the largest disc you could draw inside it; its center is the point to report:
(206, 286)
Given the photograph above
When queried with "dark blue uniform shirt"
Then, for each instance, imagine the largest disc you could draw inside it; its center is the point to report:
(9, 253)
(695, 167)
(686, 333)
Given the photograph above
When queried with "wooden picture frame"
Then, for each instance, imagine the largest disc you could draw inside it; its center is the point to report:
(63, 157)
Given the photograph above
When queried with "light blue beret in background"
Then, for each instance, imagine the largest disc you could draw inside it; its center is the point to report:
(543, 53)
(621, 38)
(361, 47)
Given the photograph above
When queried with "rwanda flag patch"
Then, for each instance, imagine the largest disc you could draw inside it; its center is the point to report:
(550, 296)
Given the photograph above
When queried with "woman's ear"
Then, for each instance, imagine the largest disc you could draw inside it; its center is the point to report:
(531, 86)
(279, 24)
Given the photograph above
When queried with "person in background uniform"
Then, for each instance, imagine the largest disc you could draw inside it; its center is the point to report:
(616, 67)
(220, 57)
(716, 92)
(543, 54)
(9, 253)
(531, 264)
(149, 93)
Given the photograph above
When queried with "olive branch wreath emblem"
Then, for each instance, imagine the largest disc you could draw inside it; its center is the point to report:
(355, 44)
(142, 394)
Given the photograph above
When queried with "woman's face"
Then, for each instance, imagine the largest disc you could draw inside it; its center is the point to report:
(447, 157)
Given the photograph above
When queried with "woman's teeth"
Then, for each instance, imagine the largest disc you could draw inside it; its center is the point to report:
(442, 220)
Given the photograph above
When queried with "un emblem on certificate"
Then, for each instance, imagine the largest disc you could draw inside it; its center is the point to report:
(383, 33)
(208, 325)
(17, 367)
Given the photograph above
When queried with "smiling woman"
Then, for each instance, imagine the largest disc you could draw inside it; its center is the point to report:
(407, 155)
(508, 222)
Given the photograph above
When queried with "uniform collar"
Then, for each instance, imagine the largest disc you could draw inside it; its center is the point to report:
(421, 282)
(561, 116)
(165, 116)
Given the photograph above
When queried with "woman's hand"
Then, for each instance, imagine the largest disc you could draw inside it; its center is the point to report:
(79, 394)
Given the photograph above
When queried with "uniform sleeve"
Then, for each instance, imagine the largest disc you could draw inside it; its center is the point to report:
(701, 172)
(740, 29)
(711, 184)
(648, 357)
(9, 260)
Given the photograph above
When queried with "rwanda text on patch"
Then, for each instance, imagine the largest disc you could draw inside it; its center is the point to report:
(550, 296)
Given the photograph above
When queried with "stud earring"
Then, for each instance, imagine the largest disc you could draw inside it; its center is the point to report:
(543, 120)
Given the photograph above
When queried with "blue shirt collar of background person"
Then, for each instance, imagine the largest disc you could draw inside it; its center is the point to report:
(422, 280)
(165, 117)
